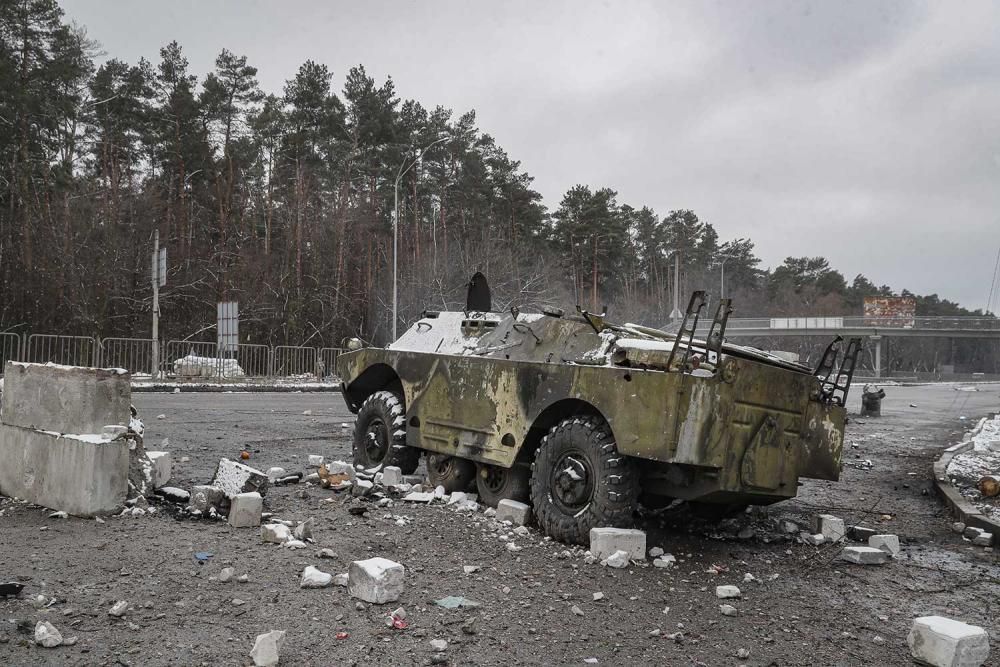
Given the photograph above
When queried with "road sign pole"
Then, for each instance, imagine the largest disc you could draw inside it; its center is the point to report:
(155, 274)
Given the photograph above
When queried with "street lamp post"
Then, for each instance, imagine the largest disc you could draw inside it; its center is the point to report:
(722, 275)
(395, 231)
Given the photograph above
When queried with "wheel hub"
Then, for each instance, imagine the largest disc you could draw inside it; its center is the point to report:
(376, 440)
(572, 482)
(494, 478)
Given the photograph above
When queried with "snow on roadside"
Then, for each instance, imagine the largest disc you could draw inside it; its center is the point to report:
(966, 469)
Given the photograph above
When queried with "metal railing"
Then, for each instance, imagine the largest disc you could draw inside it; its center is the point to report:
(133, 354)
(291, 361)
(66, 350)
(328, 361)
(10, 349)
(254, 360)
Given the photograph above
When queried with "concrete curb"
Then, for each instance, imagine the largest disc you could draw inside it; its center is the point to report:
(960, 508)
(169, 388)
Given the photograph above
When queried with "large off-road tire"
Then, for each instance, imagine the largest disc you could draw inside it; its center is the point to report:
(494, 483)
(579, 481)
(380, 435)
(451, 472)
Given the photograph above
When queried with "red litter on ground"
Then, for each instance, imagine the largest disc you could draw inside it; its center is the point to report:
(342, 635)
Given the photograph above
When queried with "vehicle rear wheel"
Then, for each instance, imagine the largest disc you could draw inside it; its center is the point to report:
(380, 435)
(494, 483)
(451, 472)
(579, 481)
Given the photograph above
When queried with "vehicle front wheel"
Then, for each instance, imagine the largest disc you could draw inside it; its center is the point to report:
(495, 483)
(579, 481)
(451, 472)
(380, 435)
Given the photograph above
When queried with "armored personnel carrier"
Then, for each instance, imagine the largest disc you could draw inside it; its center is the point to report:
(584, 418)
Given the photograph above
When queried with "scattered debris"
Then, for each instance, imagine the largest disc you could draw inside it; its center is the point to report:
(266, 647)
(516, 512)
(831, 527)
(376, 580)
(727, 610)
(226, 574)
(275, 533)
(727, 592)
(607, 541)
(245, 510)
(618, 559)
(118, 609)
(864, 555)
(454, 602)
(233, 478)
(945, 642)
(887, 543)
(46, 635)
(314, 578)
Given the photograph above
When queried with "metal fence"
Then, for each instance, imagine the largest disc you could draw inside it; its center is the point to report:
(178, 360)
(66, 350)
(133, 354)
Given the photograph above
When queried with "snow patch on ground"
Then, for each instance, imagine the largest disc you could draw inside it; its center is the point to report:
(966, 469)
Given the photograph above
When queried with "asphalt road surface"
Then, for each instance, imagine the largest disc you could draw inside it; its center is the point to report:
(803, 608)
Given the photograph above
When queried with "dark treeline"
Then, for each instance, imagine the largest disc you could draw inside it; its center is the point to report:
(283, 201)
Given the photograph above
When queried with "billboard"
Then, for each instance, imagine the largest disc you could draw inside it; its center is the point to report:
(890, 311)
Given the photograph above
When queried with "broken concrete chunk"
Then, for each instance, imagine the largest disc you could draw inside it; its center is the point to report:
(375, 580)
(606, 541)
(945, 642)
(618, 559)
(226, 574)
(266, 647)
(276, 473)
(173, 494)
(665, 561)
(887, 543)
(245, 510)
(814, 540)
(46, 635)
(418, 497)
(831, 527)
(983, 540)
(727, 592)
(315, 578)
(233, 478)
(864, 555)
(727, 609)
(316, 460)
(958, 527)
(276, 533)
(161, 467)
(203, 498)
(392, 476)
(516, 512)
(118, 609)
(304, 531)
(972, 532)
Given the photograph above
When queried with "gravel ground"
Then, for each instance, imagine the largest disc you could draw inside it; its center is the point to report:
(804, 608)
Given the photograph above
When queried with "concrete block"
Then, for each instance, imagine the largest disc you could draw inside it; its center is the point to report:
(65, 399)
(392, 476)
(233, 478)
(814, 540)
(972, 532)
(266, 647)
(80, 475)
(205, 497)
(831, 527)
(727, 592)
(245, 510)
(275, 533)
(945, 642)
(984, 539)
(606, 541)
(516, 512)
(376, 580)
(316, 460)
(887, 543)
(864, 555)
(161, 467)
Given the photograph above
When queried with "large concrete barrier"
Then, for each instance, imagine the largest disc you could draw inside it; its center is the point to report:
(52, 451)
(81, 475)
(65, 399)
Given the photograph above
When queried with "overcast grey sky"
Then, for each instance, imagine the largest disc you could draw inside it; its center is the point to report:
(867, 132)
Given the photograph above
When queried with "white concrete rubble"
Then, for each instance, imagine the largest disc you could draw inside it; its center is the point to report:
(276, 533)
(376, 580)
(887, 543)
(864, 555)
(304, 530)
(266, 647)
(161, 467)
(233, 478)
(516, 512)
(315, 578)
(983, 539)
(46, 635)
(832, 528)
(945, 642)
(245, 510)
(226, 574)
(618, 559)
(606, 541)
(392, 476)
(118, 609)
(727, 610)
(316, 460)
(727, 592)
(204, 497)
